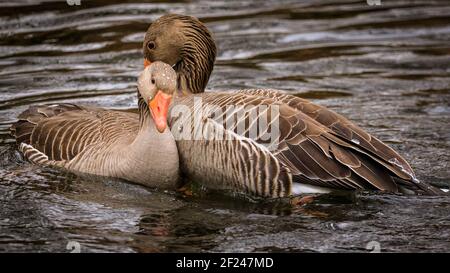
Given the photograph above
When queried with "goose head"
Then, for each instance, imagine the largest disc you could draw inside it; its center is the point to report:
(184, 43)
(156, 85)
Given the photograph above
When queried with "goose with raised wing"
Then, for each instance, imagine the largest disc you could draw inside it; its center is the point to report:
(315, 149)
(130, 146)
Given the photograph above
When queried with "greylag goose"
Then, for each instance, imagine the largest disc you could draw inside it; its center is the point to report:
(317, 150)
(130, 146)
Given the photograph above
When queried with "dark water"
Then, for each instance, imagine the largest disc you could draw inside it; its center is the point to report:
(386, 67)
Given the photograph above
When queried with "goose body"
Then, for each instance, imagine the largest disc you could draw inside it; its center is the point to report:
(102, 142)
(317, 150)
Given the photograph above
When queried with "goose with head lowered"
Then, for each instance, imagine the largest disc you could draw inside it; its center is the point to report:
(134, 147)
(314, 148)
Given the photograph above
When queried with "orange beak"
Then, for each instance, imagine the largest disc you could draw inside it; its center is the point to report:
(159, 107)
(147, 63)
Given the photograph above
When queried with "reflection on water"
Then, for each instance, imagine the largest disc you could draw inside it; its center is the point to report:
(385, 67)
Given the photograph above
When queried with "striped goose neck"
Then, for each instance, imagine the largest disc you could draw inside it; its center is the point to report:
(144, 112)
(196, 60)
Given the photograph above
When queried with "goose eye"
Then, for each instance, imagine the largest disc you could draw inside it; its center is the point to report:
(151, 45)
(153, 81)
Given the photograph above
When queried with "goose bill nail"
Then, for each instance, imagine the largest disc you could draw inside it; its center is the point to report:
(159, 107)
(147, 63)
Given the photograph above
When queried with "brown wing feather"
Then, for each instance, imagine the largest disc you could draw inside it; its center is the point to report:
(62, 131)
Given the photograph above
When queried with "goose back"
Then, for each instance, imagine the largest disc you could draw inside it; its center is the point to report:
(307, 152)
(318, 147)
(97, 141)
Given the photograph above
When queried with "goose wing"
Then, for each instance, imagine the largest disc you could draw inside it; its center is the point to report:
(355, 138)
(49, 134)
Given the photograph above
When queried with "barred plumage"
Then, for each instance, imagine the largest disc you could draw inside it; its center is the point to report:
(101, 142)
(317, 149)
